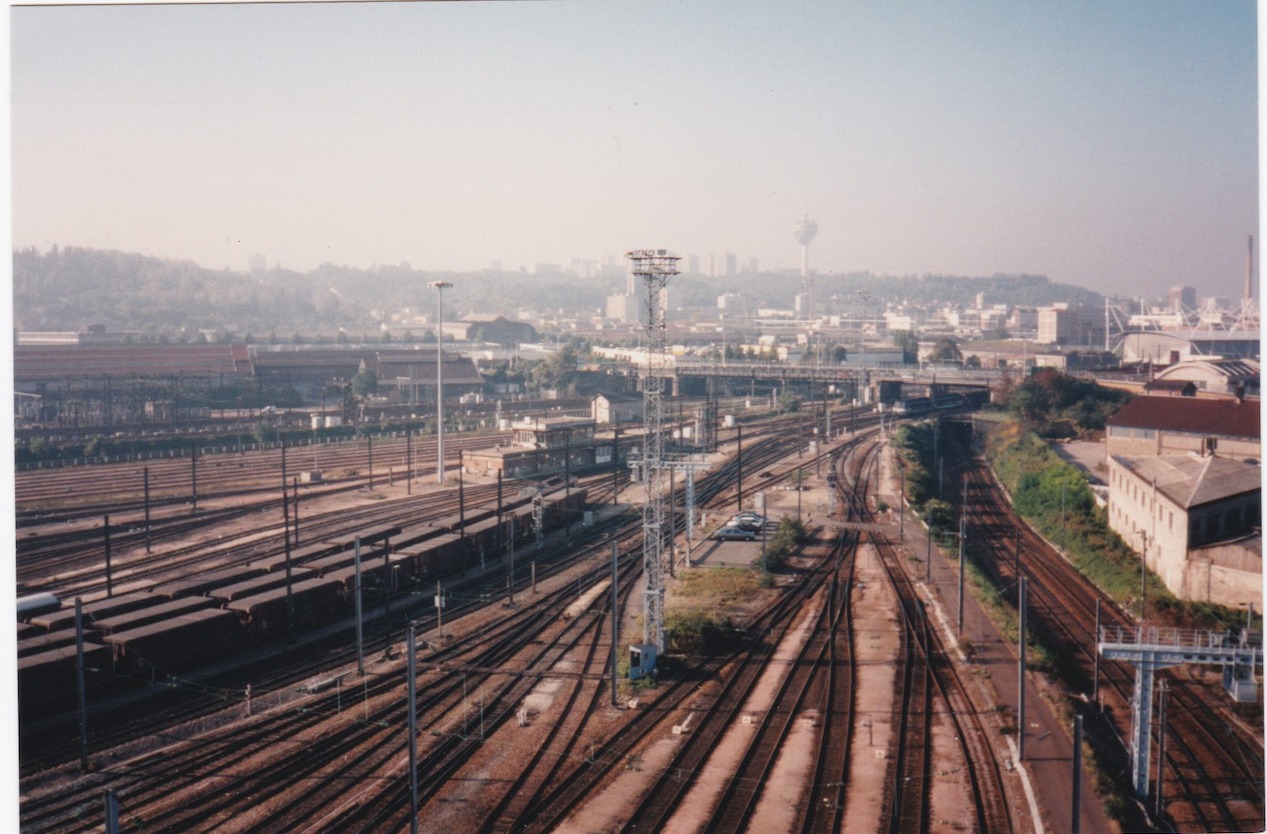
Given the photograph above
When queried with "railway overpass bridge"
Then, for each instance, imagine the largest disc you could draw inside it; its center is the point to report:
(878, 384)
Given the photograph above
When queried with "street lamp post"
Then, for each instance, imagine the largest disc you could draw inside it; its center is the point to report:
(440, 287)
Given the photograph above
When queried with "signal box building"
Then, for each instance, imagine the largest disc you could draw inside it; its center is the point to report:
(542, 446)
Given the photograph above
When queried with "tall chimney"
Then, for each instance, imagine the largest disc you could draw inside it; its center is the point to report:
(1249, 272)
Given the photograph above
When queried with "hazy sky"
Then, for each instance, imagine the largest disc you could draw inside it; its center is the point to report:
(1107, 144)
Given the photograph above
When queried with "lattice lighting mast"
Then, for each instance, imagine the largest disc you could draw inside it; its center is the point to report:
(655, 267)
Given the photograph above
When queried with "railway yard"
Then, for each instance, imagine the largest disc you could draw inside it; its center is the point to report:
(246, 662)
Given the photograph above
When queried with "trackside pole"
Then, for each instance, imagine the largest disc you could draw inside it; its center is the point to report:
(83, 692)
(615, 623)
(360, 650)
(439, 610)
(147, 509)
(294, 488)
(1076, 822)
(109, 573)
(193, 475)
(110, 801)
(1020, 672)
(1095, 651)
(413, 732)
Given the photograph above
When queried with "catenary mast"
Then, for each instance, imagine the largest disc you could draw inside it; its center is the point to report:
(654, 267)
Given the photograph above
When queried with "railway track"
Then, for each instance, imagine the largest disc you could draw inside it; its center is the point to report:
(1214, 762)
(230, 760)
(209, 814)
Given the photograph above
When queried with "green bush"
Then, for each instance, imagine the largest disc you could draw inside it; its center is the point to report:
(785, 540)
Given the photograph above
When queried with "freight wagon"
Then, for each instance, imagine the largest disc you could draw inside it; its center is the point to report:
(48, 680)
(35, 644)
(439, 557)
(159, 630)
(198, 584)
(299, 556)
(121, 604)
(311, 601)
(177, 643)
(260, 584)
(152, 614)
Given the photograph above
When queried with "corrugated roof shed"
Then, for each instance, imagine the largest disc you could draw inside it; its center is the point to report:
(1212, 417)
(45, 362)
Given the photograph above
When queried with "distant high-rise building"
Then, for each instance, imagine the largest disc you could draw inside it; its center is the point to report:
(721, 264)
(752, 266)
(625, 308)
(1182, 298)
(692, 263)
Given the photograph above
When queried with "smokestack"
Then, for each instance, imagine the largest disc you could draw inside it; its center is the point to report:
(1249, 272)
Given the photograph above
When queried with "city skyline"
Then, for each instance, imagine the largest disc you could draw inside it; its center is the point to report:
(1112, 147)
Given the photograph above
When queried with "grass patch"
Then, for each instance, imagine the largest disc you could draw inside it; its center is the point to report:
(701, 619)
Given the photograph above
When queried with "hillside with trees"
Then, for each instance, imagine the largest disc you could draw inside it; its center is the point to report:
(67, 288)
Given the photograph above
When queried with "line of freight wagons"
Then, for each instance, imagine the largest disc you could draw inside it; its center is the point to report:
(176, 625)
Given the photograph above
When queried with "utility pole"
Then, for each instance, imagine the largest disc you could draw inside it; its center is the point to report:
(901, 500)
(412, 674)
(360, 649)
(1020, 672)
(461, 494)
(615, 621)
(1161, 750)
(440, 287)
(1095, 651)
(961, 572)
(510, 563)
(928, 562)
(110, 801)
(290, 603)
(109, 573)
(439, 610)
(193, 474)
(1076, 815)
(82, 689)
(147, 509)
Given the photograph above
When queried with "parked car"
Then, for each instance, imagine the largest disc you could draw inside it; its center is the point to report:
(727, 534)
(751, 526)
(749, 517)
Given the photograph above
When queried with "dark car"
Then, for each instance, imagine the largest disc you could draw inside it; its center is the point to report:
(729, 534)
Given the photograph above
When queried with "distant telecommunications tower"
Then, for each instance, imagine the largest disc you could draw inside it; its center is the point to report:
(805, 232)
(654, 267)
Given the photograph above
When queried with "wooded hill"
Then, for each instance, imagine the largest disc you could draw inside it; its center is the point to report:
(69, 288)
